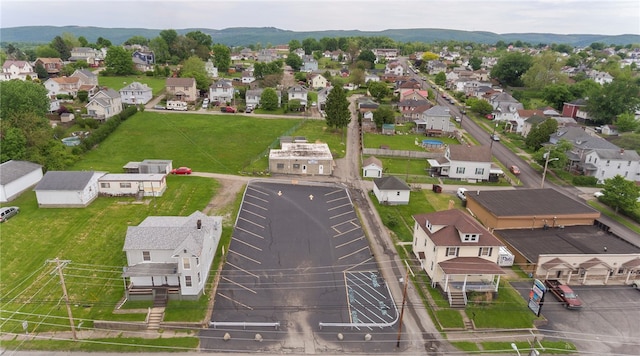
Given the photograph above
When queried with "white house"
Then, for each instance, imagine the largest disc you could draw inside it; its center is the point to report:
(391, 190)
(67, 189)
(435, 121)
(372, 168)
(171, 252)
(16, 177)
(253, 96)
(105, 104)
(124, 184)
(298, 92)
(17, 70)
(471, 163)
(318, 81)
(162, 166)
(457, 253)
(394, 67)
(212, 70)
(604, 164)
(62, 85)
(136, 93)
(221, 91)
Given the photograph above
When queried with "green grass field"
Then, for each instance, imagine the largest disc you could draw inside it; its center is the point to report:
(401, 142)
(117, 83)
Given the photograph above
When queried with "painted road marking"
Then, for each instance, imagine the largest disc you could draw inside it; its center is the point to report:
(352, 241)
(339, 215)
(359, 264)
(252, 204)
(353, 253)
(255, 197)
(248, 244)
(339, 206)
(248, 232)
(248, 258)
(336, 199)
(234, 301)
(239, 285)
(257, 190)
(345, 232)
(334, 192)
(254, 214)
(250, 222)
(242, 269)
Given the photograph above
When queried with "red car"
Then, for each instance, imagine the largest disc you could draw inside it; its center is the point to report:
(515, 170)
(181, 170)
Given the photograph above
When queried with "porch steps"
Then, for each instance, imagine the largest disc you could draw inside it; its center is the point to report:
(155, 318)
(457, 299)
(160, 299)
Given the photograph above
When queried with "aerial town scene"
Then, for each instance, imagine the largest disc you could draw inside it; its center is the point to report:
(320, 178)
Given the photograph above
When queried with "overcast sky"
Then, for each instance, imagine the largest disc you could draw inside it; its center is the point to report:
(607, 17)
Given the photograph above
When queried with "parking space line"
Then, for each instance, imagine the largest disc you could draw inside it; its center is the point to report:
(353, 253)
(242, 269)
(256, 190)
(255, 197)
(248, 244)
(359, 264)
(239, 285)
(248, 232)
(339, 215)
(365, 282)
(235, 301)
(351, 241)
(334, 192)
(255, 214)
(345, 232)
(248, 258)
(256, 205)
(339, 206)
(348, 242)
(336, 199)
(346, 289)
(250, 222)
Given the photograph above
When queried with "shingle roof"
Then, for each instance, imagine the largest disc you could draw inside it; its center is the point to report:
(470, 153)
(438, 110)
(12, 170)
(620, 155)
(390, 183)
(181, 82)
(372, 160)
(64, 180)
(529, 202)
(450, 224)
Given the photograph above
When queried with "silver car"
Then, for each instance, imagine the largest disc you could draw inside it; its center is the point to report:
(7, 212)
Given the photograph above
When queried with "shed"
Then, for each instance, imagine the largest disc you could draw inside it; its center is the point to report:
(391, 190)
(16, 177)
(372, 168)
(388, 129)
(148, 185)
(67, 189)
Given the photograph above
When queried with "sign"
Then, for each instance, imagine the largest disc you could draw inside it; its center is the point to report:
(536, 296)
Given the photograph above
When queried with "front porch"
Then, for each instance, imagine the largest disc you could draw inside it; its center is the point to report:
(468, 274)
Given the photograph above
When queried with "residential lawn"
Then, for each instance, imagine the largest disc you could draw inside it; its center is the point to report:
(317, 130)
(120, 344)
(550, 347)
(401, 142)
(157, 85)
(449, 318)
(189, 311)
(507, 311)
(205, 143)
(91, 239)
(403, 166)
(466, 346)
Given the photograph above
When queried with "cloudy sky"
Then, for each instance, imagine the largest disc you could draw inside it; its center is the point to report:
(607, 17)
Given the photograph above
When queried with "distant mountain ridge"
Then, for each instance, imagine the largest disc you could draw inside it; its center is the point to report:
(242, 36)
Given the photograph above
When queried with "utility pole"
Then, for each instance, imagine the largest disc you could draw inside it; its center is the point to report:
(66, 297)
(404, 299)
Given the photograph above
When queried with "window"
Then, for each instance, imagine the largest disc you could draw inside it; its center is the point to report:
(431, 266)
(197, 261)
(452, 251)
(104, 185)
(187, 281)
(198, 277)
(146, 256)
(125, 185)
(186, 263)
(296, 166)
(619, 165)
(280, 165)
(398, 194)
(460, 170)
(479, 171)
(628, 163)
(608, 161)
(485, 251)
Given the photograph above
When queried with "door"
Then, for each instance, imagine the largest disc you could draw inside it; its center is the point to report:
(321, 169)
(304, 169)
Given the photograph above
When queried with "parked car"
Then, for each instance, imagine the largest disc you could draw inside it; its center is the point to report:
(159, 107)
(636, 284)
(228, 109)
(7, 212)
(181, 170)
(515, 170)
(462, 194)
(563, 293)
(495, 137)
(598, 194)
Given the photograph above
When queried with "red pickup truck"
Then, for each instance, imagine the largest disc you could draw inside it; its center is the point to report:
(564, 294)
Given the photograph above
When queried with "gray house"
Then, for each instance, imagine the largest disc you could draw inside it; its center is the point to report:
(136, 93)
(163, 166)
(436, 121)
(16, 177)
(67, 189)
(253, 96)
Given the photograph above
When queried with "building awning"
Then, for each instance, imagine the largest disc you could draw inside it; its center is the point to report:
(632, 264)
(556, 263)
(151, 270)
(470, 265)
(593, 263)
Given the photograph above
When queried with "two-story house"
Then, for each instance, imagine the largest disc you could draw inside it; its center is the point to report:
(51, 65)
(105, 104)
(62, 85)
(298, 92)
(309, 64)
(92, 56)
(221, 91)
(395, 68)
(17, 70)
(212, 70)
(136, 93)
(457, 253)
(171, 252)
(471, 163)
(317, 81)
(147, 57)
(183, 89)
(86, 77)
(435, 121)
(604, 164)
(253, 96)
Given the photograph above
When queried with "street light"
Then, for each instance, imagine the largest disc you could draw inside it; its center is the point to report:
(546, 164)
(515, 347)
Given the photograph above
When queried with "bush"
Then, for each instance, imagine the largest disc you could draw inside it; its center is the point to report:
(584, 181)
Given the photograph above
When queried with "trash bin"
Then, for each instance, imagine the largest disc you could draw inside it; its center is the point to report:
(436, 188)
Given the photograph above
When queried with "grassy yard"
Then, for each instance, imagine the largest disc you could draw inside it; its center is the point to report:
(206, 143)
(157, 85)
(119, 344)
(91, 239)
(401, 142)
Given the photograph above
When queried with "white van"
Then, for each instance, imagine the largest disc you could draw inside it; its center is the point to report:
(176, 105)
(462, 194)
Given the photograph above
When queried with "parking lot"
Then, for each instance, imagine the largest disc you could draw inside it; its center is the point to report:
(608, 324)
(299, 271)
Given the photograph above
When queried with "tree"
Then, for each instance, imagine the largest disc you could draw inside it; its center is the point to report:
(620, 193)
(194, 68)
(480, 106)
(357, 76)
(441, 79)
(46, 51)
(626, 122)
(511, 67)
(430, 56)
(294, 61)
(14, 144)
(545, 70)
(160, 49)
(269, 99)
(367, 56)
(140, 40)
(294, 105)
(557, 154)
(557, 94)
(103, 43)
(20, 97)
(613, 99)
(83, 41)
(222, 57)
(169, 36)
(118, 61)
(540, 134)
(42, 72)
(337, 108)
(294, 44)
(383, 115)
(379, 90)
(475, 62)
(60, 46)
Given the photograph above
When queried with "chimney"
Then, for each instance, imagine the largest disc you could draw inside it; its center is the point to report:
(621, 151)
(199, 224)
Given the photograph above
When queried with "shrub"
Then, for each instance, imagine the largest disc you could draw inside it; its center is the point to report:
(584, 181)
